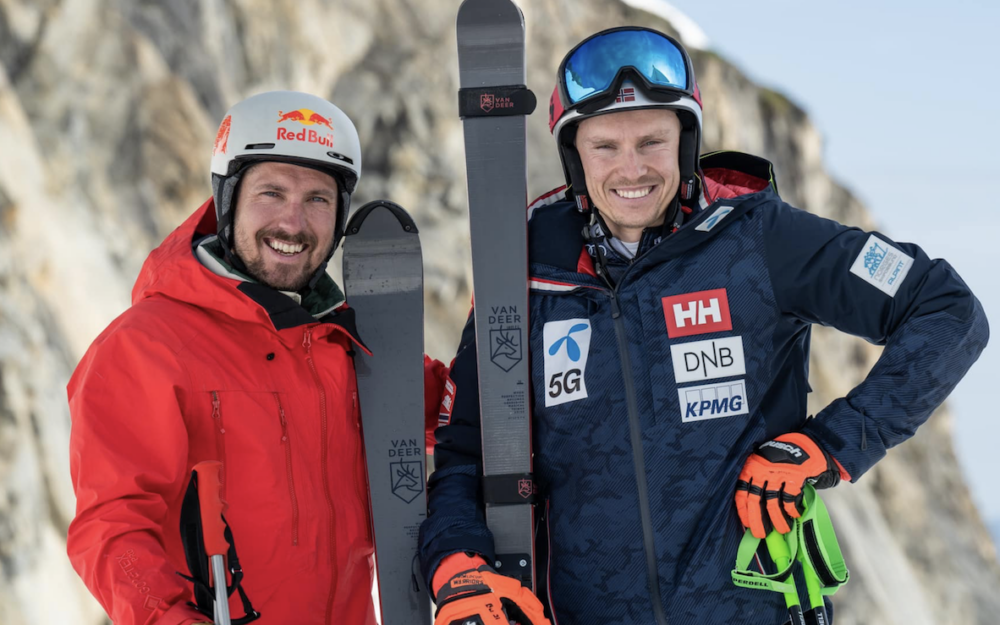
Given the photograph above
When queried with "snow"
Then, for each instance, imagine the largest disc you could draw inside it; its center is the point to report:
(691, 34)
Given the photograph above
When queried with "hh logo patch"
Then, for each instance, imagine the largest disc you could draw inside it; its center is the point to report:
(882, 266)
(697, 313)
(707, 360)
(719, 214)
(711, 401)
(567, 345)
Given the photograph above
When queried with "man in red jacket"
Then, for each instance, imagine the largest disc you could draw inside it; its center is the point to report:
(237, 348)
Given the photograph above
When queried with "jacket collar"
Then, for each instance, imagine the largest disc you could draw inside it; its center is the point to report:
(174, 270)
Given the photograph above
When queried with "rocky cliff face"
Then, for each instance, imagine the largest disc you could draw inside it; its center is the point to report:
(107, 113)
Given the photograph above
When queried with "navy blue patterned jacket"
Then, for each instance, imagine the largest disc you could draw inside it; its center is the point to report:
(700, 352)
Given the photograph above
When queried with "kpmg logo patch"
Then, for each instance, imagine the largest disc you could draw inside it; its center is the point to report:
(407, 479)
(882, 265)
(567, 346)
(697, 313)
(712, 401)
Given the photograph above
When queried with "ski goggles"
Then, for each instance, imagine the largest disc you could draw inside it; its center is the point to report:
(595, 67)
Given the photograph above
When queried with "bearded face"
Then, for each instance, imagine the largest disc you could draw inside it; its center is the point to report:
(286, 216)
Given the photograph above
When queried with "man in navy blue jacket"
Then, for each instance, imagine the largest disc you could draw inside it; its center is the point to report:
(672, 296)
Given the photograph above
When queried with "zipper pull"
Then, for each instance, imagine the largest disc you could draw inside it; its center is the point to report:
(217, 411)
(615, 310)
(284, 423)
(307, 340)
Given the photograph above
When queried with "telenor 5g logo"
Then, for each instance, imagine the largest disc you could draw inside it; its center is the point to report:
(567, 345)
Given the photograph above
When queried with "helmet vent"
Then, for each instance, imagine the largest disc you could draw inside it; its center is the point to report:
(259, 146)
(341, 157)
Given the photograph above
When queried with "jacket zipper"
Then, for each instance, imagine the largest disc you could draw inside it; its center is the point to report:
(362, 488)
(324, 451)
(220, 438)
(638, 460)
(287, 444)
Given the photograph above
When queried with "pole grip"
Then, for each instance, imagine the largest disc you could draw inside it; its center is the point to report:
(213, 528)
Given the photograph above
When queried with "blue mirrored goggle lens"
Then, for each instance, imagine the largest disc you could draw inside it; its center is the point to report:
(593, 66)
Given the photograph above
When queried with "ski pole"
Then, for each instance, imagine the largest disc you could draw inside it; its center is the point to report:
(214, 532)
(778, 548)
(818, 614)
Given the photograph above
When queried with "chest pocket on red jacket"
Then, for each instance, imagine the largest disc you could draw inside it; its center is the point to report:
(253, 441)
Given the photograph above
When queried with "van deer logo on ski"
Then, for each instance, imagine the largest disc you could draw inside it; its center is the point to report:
(525, 488)
(697, 313)
(407, 479)
(486, 102)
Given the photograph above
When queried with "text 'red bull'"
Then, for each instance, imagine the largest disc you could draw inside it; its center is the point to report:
(309, 136)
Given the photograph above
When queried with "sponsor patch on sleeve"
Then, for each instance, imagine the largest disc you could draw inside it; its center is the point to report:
(567, 346)
(447, 403)
(719, 214)
(882, 265)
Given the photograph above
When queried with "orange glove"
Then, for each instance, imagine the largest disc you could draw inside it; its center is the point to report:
(769, 490)
(469, 591)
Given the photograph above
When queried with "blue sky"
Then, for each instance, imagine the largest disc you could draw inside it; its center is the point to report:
(907, 97)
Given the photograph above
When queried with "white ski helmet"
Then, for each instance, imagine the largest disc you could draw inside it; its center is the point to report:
(289, 127)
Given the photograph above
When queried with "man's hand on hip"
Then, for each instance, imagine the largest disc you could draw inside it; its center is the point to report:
(769, 490)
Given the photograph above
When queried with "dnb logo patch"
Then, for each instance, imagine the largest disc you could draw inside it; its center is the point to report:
(881, 265)
(711, 401)
(697, 313)
(567, 345)
(707, 360)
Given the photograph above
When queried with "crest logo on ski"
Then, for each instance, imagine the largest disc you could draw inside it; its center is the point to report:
(506, 344)
(525, 488)
(486, 102)
(407, 479)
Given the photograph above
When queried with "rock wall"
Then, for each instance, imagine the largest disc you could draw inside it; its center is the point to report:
(107, 113)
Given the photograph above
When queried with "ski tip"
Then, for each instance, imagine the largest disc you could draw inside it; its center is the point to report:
(357, 220)
(488, 12)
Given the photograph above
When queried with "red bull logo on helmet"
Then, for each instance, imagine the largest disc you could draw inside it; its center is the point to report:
(305, 117)
(222, 138)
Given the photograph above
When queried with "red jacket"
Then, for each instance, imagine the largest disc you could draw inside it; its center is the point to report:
(203, 367)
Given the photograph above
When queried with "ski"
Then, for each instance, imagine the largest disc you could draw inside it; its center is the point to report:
(383, 280)
(494, 103)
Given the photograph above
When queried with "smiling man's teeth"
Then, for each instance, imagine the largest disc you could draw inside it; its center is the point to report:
(634, 193)
(285, 248)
